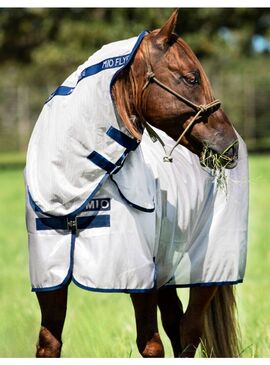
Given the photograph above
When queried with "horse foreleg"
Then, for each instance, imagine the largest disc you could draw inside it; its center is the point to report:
(171, 311)
(191, 323)
(148, 339)
(53, 312)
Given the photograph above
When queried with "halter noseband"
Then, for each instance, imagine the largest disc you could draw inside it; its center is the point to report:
(200, 110)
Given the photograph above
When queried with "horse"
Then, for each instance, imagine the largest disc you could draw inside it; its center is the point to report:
(165, 91)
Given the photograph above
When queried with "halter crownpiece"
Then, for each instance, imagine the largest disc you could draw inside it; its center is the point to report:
(205, 109)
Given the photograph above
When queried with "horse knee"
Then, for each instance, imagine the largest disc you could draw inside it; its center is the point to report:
(48, 345)
(152, 348)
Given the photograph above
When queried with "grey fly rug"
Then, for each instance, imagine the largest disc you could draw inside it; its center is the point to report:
(105, 212)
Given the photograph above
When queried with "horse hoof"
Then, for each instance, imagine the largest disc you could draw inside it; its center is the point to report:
(154, 347)
(48, 345)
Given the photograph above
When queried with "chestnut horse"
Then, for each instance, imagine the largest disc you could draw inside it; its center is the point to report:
(165, 86)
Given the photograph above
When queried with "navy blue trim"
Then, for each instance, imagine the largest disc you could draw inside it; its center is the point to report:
(85, 222)
(112, 62)
(91, 196)
(211, 283)
(102, 162)
(70, 269)
(99, 290)
(52, 288)
(129, 291)
(37, 209)
(129, 143)
(77, 211)
(142, 209)
(34, 206)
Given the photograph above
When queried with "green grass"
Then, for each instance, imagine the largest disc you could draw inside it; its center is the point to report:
(11, 160)
(102, 325)
(254, 294)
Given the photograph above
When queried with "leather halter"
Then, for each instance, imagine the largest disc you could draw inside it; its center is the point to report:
(200, 110)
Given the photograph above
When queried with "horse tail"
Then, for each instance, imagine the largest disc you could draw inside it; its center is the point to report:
(221, 330)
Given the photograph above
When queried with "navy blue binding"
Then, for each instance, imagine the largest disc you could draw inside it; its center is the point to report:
(138, 42)
(133, 205)
(210, 283)
(100, 290)
(90, 71)
(113, 62)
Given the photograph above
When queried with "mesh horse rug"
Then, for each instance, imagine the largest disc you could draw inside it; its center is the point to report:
(103, 209)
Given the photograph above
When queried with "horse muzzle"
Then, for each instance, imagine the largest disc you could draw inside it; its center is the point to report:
(217, 160)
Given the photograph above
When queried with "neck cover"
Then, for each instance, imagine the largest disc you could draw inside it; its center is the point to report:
(78, 141)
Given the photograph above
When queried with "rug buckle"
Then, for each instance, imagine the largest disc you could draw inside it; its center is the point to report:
(72, 224)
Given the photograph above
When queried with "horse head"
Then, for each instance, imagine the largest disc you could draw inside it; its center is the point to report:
(167, 87)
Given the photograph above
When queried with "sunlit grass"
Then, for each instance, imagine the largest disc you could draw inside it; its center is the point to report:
(254, 294)
(102, 325)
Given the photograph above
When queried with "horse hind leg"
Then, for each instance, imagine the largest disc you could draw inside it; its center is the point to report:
(53, 312)
(171, 311)
(192, 322)
(148, 339)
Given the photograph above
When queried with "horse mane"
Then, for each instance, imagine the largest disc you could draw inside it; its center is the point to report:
(125, 96)
(126, 89)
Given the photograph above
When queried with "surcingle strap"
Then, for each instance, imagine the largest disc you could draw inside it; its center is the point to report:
(64, 223)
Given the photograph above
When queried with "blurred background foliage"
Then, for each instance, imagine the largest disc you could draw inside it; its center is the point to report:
(40, 47)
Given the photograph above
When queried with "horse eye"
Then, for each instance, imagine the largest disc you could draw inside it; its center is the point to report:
(191, 78)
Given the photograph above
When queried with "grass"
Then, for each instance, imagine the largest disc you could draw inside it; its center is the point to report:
(102, 325)
(11, 160)
(254, 294)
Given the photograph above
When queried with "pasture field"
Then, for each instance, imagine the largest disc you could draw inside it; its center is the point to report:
(102, 325)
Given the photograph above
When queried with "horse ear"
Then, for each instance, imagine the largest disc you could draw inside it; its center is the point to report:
(165, 33)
